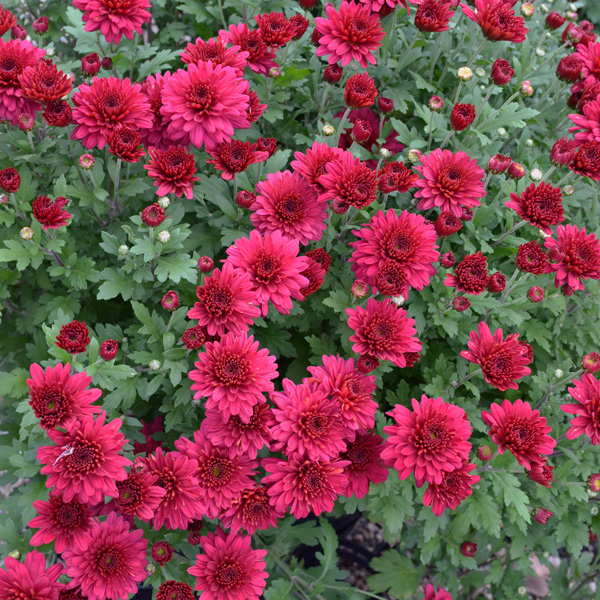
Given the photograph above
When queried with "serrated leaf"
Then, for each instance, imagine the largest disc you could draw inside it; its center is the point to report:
(395, 573)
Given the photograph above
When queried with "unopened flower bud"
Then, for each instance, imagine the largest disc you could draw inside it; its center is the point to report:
(19, 32)
(414, 155)
(499, 163)
(359, 288)
(3, 199)
(527, 10)
(40, 26)
(568, 190)
(196, 402)
(150, 569)
(571, 15)
(170, 301)
(543, 234)
(521, 590)
(328, 130)
(164, 237)
(447, 261)
(516, 171)
(501, 131)
(164, 202)
(398, 300)
(86, 161)
(484, 453)
(591, 363)
(26, 233)
(544, 8)
(205, 264)
(245, 199)
(154, 365)
(525, 88)
(106, 63)
(123, 250)
(540, 52)
(536, 175)
(385, 153)
(461, 303)
(529, 143)
(594, 511)
(15, 554)
(333, 73)
(592, 494)
(542, 516)
(436, 103)
(25, 122)
(274, 72)
(464, 74)
(535, 294)
(558, 373)
(468, 548)
(361, 131)
(466, 214)
(496, 283)
(385, 105)
(90, 64)
(480, 72)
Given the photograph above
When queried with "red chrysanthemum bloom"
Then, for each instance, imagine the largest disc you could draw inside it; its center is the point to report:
(394, 176)
(114, 18)
(383, 330)
(433, 15)
(112, 564)
(221, 478)
(449, 180)
(44, 82)
(468, 548)
(299, 25)
(364, 454)
(275, 30)
(391, 279)
(148, 430)
(226, 302)
(255, 108)
(274, 267)
(497, 20)
(175, 590)
(73, 337)
(229, 569)
(260, 58)
(86, 461)
(15, 57)
(587, 410)
(287, 203)
(540, 205)
(499, 164)
(161, 552)
(348, 180)
(587, 126)
(351, 389)
(321, 256)
(109, 103)
(429, 441)
(454, 488)
(153, 215)
(234, 157)
(432, 594)
(50, 213)
(360, 91)
(173, 171)
(205, 104)
(586, 161)
(496, 282)
(576, 256)
(408, 240)
(519, 429)
(462, 116)
(252, 511)
(591, 362)
(589, 93)
(589, 54)
(268, 145)
(108, 349)
(541, 472)
(531, 258)
(502, 72)
(29, 580)
(215, 50)
(470, 275)
(304, 486)
(385, 7)
(315, 274)
(10, 180)
(232, 373)
(352, 33)
(91, 63)
(502, 361)
(124, 143)
(447, 224)
(58, 114)
(235, 435)
(307, 422)
(64, 523)
(313, 163)
(139, 495)
(58, 398)
(460, 303)
(542, 515)
(177, 476)
(569, 68)
(563, 152)
(193, 338)
(7, 21)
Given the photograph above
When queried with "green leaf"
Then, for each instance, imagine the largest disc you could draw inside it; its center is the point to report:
(395, 573)
(508, 485)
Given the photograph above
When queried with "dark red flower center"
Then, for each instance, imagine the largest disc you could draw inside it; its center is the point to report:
(218, 300)
(69, 515)
(85, 458)
(201, 96)
(314, 424)
(312, 479)
(130, 495)
(290, 208)
(50, 404)
(111, 105)
(232, 369)
(400, 244)
(266, 267)
(380, 334)
(216, 472)
(229, 574)
(108, 561)
(519, 433)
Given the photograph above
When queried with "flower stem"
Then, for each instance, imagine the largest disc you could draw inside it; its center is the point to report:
(340, 129)
(564, 179)
(556, 385)
(509, 232)
(479, 48)
(500, 192)
(494, 113)
(450, 134)
(549, 172)
(116, 182)
(436, 54)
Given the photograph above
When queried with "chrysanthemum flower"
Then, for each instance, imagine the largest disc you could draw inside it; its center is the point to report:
(589, 53)
(64, 523)
(541, 472)
(229, 569)
(497, 20)
(112, 564)
(454, 488)
(205, 104)
(274, 267)
(502, 361)
(58, 398)
(260, 58)
(161, 552)
(173, 171)
(407, 240)
(107, 104)
(312, 164)
(470, 276)
(10, 180)
(315, 274)
(304, 486)
(587, 410)
(531, 258)
(252, 511)
(114, 18)
(177, 476)
(255, 108)
(569, 68)
(148, 430)
(44, 82)
(540, 205)
(221, 478)
(364, 454)
(586, 161)
(384, 7)
(175, 590)
(232, 373)
(383, 330)
(307, 422)
(73, 337)
(234, 157)
(58, 114)
(430, 440)
(351, 389)
(275, 30)
(360, 91)
(450, 181)
(587, 126)
(433, 15)
(287, 203)
(124, 143)
(7, 21)
(462, 116)
(432, 594)
(575, 255)
(139, 495)
(50, 213)
(29, 580)
(157, 134)
(226, 302)
(15, 57)
(348, 180)
(519, 429)
(86, 461)
(352, 33)
(215, 50)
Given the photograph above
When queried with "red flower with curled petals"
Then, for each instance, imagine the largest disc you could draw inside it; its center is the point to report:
(454, 488)
(30, 580)
(44, 82)
(235, 157)
(470, 276)
(366, 466)
(215, 50)
(587, 410)
(312, 164)
(173, 171)
(540, 205)
(260, 58)
(139, 495)
(252, 511)
(497, 20)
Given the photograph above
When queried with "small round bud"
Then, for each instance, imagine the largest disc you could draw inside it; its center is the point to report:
(359, 288)
(398, 300)
(543, 234)
(385, 105)
(86, 161)
(328, 130)
(593, 482)
(108, 349)
(464, 74)
(594, 511)
(529, 143)
(333, 73)
(164, 202)
(15, 554)
(4, 199)
(568, 190)
(123, 250)
(154, 365)
(414, 155)
(540, 52)
(466, 214)
(50, 52)
(19, 33)
(196, 402)
(591, 363)
(367, 363)
(499, 163)
(164, 237)
(516, 171)
(482, 87)
(544, 8)
(496, 283)
(484, 453)
(106, 63)
(468, 548)
(274, 72)
(150, 569)
(521, 590)
(461, 303)
(480, 72)
(573, 6)
(536, 175)
(571, 15)
(527, 10)
(90, 64)
(170, 301)
(558, 373)
(525, 88)
(436, 103)
(447, 261)
(25, 122)
(26, 233)
(501, 131)
(535, 294)
(40, 26)
(194, 538)
(245, 199)
(592, 494)
(205, 264)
